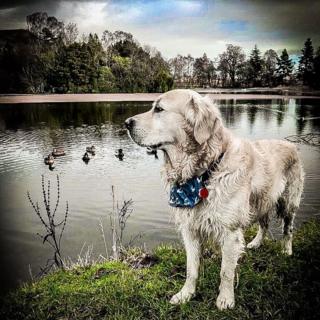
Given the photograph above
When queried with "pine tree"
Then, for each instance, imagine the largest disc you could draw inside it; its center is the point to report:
(316, 82)
(284, 68)
(255, 65)
(306, 63)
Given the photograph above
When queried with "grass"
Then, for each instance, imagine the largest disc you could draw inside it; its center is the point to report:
(271, 286)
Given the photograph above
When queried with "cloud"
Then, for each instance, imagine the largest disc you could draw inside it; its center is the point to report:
(233, 25)
(185, 26)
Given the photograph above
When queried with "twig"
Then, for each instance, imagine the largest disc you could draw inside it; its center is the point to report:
(104, 237)
(52, 235)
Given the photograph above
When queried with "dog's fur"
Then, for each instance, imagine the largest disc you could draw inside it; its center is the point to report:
(252, 181)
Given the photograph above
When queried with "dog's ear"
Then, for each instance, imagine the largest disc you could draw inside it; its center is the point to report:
(201, 116)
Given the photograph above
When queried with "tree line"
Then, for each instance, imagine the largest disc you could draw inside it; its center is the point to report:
(233, 69)
(51, 57)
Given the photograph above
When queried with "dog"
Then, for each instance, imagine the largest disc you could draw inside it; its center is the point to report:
(248, 181)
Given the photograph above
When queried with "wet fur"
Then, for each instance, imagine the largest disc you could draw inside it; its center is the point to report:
(253, 181)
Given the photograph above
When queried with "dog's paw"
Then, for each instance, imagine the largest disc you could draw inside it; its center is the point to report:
(225, 300)
(287, 251)
(287, 246)
(181, 297)
(254, 244)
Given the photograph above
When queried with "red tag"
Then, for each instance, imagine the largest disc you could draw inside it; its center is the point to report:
(203, 193)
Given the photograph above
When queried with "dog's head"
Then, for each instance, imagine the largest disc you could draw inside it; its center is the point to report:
(176, 117)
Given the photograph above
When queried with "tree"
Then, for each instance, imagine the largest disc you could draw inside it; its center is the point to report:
(136, 69)
(270, 60)
(244, 74)
(204, 71)
(77, 66)
(189, 70)
(284, 68)
(316, 82)
(255, 67)
(70, 34)
(230, 63)
(306, 63)
(45, 27)
(107, 39)
(161, 78)
(106, 80)
(177, 66)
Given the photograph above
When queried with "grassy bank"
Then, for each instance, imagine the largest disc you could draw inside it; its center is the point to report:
(271, 286)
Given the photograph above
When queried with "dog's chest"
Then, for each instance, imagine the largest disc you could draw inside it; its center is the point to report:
(202, 220)
(222, 211)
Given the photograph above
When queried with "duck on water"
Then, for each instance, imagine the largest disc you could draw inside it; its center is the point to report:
(58, 152)
(120, 154)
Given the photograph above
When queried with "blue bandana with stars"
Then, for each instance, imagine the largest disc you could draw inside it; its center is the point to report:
(186, 195)
(193, 191)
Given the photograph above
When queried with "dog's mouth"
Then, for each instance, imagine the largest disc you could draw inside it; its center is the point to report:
(151, 146)
(157, 146)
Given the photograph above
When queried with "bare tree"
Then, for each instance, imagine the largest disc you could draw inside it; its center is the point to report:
(177, 65)
(270, 58)
(70, 33)
(107, 39)
(189, 69)
(118, 220)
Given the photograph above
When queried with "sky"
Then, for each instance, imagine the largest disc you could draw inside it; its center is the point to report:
(185, 26)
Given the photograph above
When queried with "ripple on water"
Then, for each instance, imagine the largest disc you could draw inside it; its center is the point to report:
(87, 187)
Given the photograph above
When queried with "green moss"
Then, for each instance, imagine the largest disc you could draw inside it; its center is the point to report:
(271, 286)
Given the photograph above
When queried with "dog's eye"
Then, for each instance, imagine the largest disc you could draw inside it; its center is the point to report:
(157, 109)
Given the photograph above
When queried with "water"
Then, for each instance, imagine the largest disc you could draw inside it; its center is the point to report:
(29, 132)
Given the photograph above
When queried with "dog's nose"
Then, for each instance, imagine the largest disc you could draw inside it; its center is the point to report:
(129, 123)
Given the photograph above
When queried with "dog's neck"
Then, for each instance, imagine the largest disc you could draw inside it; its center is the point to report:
(184, 161)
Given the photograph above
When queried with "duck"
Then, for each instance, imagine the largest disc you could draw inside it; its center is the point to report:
(120, 154)
(58, 152)
(51, 166)
(49, 159)
(86, 157)
(91, 150)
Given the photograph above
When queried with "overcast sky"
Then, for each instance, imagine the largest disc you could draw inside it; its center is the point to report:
(184, 26)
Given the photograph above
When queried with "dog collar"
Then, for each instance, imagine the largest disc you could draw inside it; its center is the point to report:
(193, 191)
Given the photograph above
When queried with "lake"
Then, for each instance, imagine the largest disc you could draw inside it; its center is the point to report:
(28, 132)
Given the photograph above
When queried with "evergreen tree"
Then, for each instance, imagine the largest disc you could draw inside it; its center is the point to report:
(306, 63)
(284, 68)
(255, 67)
(316, 81)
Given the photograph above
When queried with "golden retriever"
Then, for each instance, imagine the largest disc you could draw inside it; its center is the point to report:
(248, 181)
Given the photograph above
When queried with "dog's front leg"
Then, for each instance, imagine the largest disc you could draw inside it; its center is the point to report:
(193, 247)
(232, 247)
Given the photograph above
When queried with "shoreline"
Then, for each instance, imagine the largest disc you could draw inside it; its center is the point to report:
(136, 288)
(136, 97)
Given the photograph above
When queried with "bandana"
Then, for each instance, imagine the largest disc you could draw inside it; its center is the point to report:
(193, 191)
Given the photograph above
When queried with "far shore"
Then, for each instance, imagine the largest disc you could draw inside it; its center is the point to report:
(126, 97)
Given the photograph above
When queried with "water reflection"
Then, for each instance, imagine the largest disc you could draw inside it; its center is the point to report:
(29, 132)
(66, 115)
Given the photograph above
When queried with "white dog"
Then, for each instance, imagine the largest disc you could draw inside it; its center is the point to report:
(246, 181)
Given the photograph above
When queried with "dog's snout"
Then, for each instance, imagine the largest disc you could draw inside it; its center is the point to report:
(129, 123)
